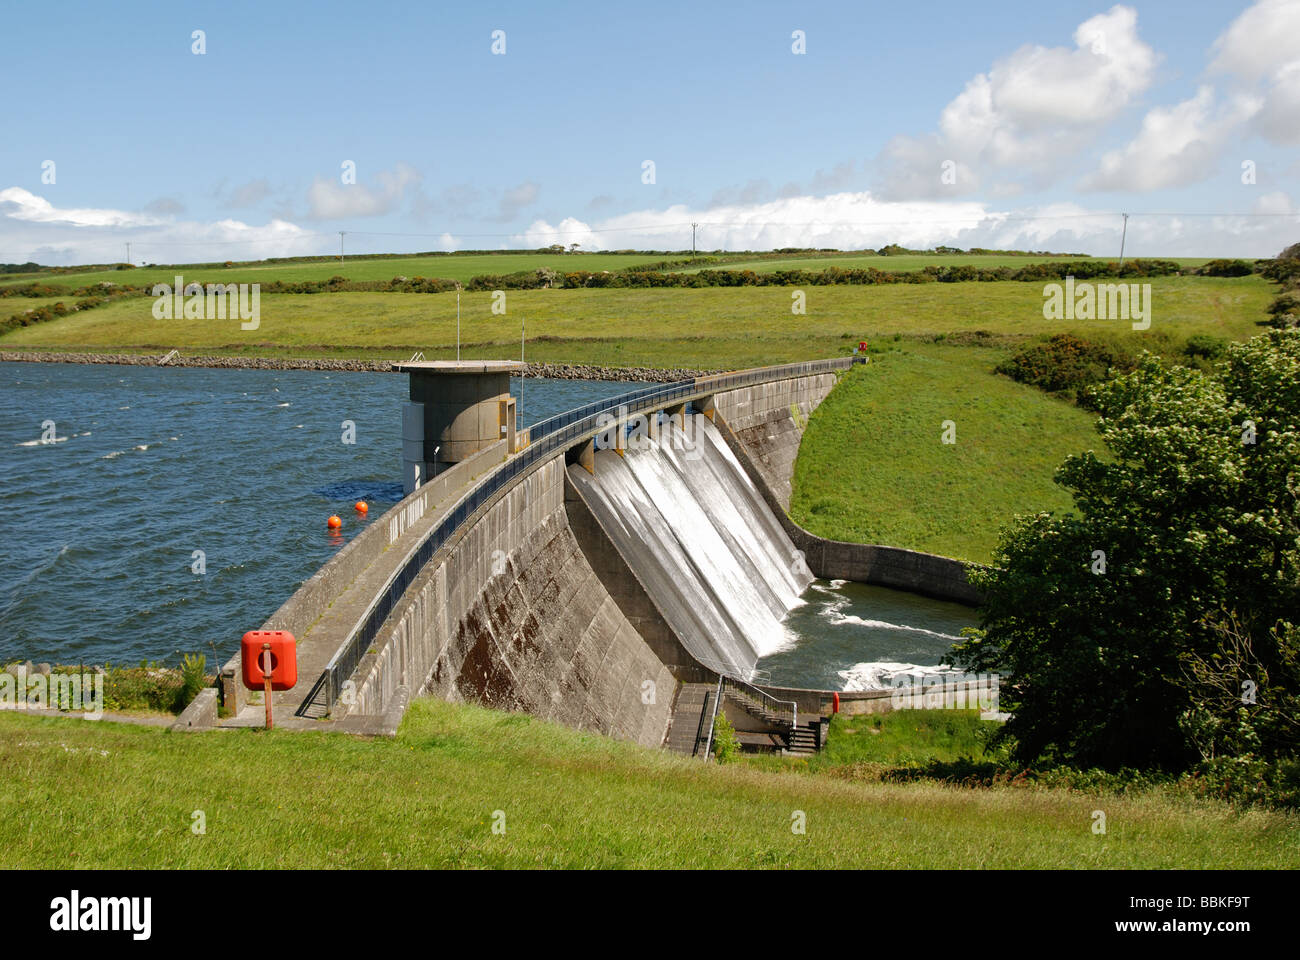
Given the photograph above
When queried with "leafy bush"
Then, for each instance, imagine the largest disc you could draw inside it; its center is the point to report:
(1227, 268)
(1124, 664)
(726, 747)
(194, 677)
(1206, 346)
(149, 686)
(1285, 310)
(1065, 366)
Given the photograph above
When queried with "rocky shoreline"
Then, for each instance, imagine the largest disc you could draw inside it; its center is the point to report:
(555, 371)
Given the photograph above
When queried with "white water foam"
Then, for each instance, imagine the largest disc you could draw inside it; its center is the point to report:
(880, 675)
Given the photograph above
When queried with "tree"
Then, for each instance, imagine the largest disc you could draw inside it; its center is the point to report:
(1194, 517)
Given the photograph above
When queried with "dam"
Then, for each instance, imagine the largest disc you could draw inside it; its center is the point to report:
(575, 572)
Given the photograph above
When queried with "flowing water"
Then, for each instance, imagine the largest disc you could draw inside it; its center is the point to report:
(696, 531)
(853, 636)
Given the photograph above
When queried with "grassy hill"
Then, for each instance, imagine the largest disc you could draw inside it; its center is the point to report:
(569, 799)
(449, 266)
(872, 469)
(905, 262)
(711, 327)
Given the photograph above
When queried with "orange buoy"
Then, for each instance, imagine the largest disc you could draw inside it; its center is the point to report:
(361, 507)
(334, 523)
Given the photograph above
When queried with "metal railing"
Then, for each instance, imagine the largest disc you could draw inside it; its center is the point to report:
(546, 438)
(713, 719)
(786, 711)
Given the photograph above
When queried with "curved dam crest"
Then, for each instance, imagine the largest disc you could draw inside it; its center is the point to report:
(544, 598)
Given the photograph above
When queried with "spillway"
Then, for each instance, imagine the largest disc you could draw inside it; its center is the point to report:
(696, 532)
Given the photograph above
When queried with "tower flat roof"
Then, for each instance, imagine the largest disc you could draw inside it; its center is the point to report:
(461, 366)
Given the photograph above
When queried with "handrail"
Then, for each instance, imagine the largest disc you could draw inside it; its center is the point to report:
(713, 720)
(767, 701)
(545, 439)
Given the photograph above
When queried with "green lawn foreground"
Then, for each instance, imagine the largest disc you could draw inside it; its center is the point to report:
(872, 467)
(81, 794)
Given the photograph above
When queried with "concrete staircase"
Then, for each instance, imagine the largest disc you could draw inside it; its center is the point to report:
(801, 739)
(689, 729)
(804, 739)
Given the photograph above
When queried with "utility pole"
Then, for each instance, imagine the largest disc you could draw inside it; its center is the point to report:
(341, 233)
(458, 325)
(1122, 238)
(128, 252)
(523, 373)
(693, 226)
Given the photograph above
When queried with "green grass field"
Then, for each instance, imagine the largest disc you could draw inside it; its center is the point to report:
(872, 468)
(883, 423)
(465, 266)
(451, 267)
(713, 328)
(906, 262)
(82, 794)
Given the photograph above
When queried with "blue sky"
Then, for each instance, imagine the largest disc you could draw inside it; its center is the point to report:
(1053, 118)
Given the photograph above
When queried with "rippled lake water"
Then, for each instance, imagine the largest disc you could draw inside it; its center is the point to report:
(152, 464)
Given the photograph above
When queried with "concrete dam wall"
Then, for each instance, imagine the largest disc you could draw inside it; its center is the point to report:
(592, 587)
(516, 618)
(545, 602)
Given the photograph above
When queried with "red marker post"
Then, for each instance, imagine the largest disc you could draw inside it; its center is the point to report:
(270, 662)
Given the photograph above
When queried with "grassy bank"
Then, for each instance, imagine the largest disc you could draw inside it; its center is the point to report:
(569, 800)
(907, 262)
(700, 328)
(872, 466)
(450, 267)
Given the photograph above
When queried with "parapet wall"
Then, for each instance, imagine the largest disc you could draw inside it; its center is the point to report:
(322, 589)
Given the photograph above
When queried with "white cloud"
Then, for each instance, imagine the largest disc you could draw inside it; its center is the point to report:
(516, 198)
(860, 220)
(250, 194)
(1022, 122)
(1262, 39)
(1260, 51)
(1176, 146)
(1276, 203)
(19, 204)
(570, 231)
(1279, 118)
(31, 228)
(329, 198)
